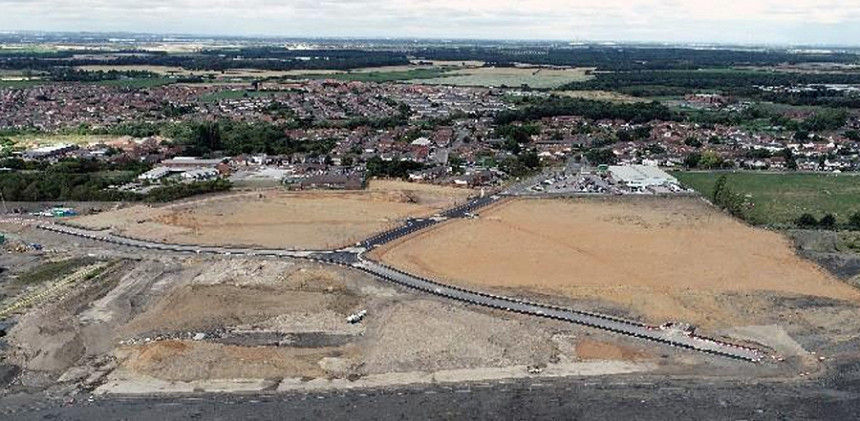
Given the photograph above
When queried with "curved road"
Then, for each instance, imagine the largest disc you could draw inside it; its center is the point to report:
(354, 257)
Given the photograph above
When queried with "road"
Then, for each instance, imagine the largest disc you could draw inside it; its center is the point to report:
(413, 225)
(622, 398)
(675, 335)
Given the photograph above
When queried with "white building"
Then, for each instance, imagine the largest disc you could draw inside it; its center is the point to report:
(640, 176)
(50, 151)
(421, 141)
(200, 174)
(156, 173)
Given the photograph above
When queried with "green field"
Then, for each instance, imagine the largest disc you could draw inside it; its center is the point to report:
(21, 83)
(222, 95)
(379, 77)
(537, 78)
(782, 198)
(124, 83)
(138, 83)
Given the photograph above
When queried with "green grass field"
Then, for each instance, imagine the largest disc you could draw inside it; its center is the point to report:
(21, 83)
(124, 83)
(138, 83)
(781, 198)
(379, 77)
(227, 94)
(508, 76)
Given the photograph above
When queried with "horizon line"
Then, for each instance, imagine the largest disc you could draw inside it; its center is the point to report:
(570, 42)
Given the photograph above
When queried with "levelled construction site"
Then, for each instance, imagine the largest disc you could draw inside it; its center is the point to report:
(436, 285)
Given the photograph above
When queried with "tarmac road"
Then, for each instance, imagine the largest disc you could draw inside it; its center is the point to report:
(621, 398)
(671, 336)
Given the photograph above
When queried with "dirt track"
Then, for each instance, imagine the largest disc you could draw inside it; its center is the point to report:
(666, 259)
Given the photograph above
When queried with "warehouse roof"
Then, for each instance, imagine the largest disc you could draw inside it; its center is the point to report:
(641, 175)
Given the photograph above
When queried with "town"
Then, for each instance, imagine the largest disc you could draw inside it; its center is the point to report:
(445, 135)
(349, 228)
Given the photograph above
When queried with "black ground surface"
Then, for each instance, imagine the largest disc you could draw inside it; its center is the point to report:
(621, 398)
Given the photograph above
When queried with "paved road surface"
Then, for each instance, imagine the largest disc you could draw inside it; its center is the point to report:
(616, 398)
(671, 336)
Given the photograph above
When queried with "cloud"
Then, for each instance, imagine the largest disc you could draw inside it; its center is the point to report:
(789, 21)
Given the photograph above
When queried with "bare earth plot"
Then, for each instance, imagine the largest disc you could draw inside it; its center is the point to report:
(312, 220)
(662, 259)
(185, 324)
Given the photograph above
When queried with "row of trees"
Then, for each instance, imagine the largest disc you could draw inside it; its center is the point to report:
(49, 185)
(666, 83)
(828, 221)
(596, 110)
(215, 60)
(377, 167)
(637, 113)
(181, 190)
(626, 58)
(68, 74)
(724, 197)
(88, 180)
(522, 164)
(614, 58)
(229, 137)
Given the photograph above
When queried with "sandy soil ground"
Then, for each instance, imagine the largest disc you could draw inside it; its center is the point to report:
(188, 360)
(662, 259)
(596, 350)
(167, 323)
(312, 220)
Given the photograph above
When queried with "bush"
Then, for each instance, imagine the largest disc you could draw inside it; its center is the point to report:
(854, 221)
(807, 221)
(179, 191)
(827, 222)
(725, 198)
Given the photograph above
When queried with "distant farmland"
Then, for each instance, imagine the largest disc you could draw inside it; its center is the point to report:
(781, 198)
(538, 78)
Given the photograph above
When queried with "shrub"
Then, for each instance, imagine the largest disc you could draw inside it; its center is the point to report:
(828, 221)
(807, 221)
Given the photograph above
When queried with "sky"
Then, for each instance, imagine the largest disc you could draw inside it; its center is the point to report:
(721, 21)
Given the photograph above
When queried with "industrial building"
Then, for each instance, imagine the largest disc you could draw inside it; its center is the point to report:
(50, 151)
(639, 177)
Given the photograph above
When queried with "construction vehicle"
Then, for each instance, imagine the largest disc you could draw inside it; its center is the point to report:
(356, 317)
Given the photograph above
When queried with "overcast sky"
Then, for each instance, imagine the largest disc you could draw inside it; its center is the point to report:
(743, 21)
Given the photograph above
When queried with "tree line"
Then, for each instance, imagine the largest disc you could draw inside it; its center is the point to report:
(736, 83)
(627, 58)
(89, 180)
(538, 108)
(215, 60)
